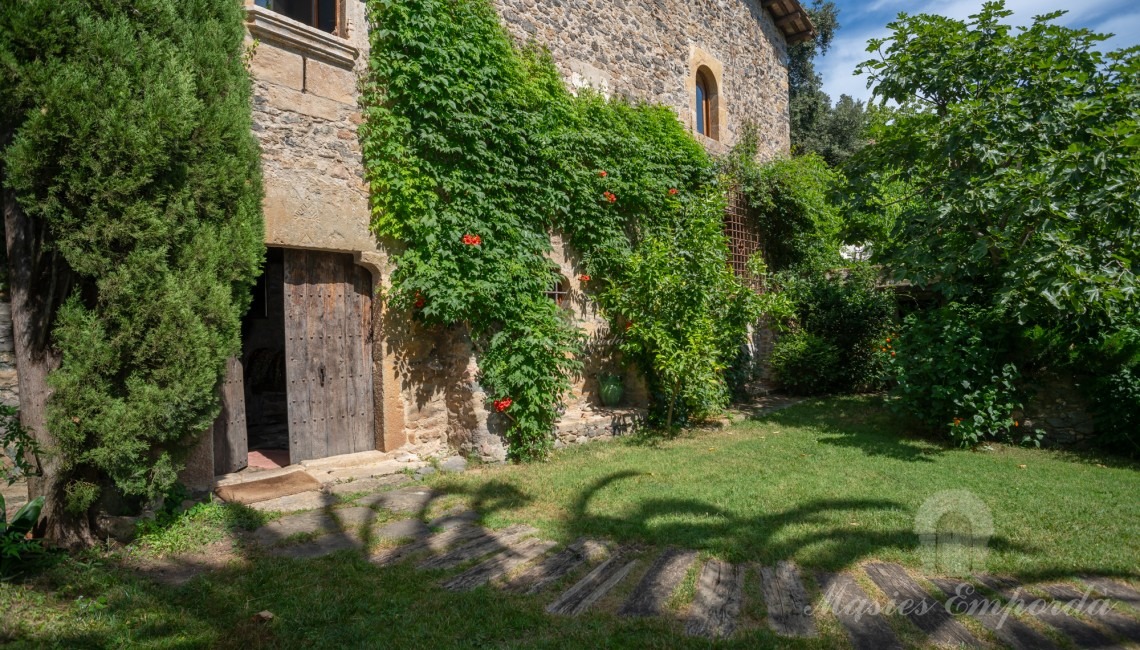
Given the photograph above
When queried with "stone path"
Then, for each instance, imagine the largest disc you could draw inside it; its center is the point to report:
(594, 576)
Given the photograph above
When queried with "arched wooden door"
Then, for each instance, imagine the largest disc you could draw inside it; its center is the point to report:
(328, 350)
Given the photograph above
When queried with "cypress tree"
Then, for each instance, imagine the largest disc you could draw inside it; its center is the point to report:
(133, 208)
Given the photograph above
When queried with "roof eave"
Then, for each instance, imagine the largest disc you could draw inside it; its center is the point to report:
(791, 19)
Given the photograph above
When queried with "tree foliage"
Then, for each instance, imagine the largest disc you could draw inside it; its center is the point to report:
(1014, 161)
(1026, 147)
(475, 152)
(833, 132)
(126, 134)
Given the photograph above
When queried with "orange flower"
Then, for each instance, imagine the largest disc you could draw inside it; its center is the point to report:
(892, 354)
(584, 277)
(672, 191)
(472, 240)
(1016, 424)
(603, 173)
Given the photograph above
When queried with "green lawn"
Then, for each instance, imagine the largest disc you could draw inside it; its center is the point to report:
(829, 483)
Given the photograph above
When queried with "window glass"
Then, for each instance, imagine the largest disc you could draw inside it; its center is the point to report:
(702, 101)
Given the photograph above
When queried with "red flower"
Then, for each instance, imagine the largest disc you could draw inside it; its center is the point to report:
(584, 277)
(672, 191)
(472, 240)
(603, 173)
(628, 325)
(610, 196)
(420, 302)
(503, 404)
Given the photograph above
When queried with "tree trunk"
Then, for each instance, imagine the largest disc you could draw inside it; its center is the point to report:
(34, 282)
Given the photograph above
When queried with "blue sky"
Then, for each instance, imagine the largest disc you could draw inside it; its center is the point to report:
(861, 20)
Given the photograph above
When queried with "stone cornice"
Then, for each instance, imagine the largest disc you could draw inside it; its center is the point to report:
(267, 25)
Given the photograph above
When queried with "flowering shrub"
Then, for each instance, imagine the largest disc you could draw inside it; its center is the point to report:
(464, 134)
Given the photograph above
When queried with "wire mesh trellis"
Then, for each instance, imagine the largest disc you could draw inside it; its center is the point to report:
(744, 238)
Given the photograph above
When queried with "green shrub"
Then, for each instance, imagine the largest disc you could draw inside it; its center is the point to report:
(849, 310)
(127, 138)
(806, 364)
(1114, 388)
(953, 376)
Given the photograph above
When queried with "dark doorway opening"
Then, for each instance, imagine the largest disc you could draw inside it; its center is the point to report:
(263, 365)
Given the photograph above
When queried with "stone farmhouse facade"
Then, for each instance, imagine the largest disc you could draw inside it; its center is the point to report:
(325, 369)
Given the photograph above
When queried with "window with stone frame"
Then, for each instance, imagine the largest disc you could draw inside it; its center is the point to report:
(322, 14)
(708, 104)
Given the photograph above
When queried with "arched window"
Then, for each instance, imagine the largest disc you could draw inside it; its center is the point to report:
(707, 103)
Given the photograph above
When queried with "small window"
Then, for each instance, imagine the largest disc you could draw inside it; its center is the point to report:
(559, 291)
(707, 103)
(322, 14)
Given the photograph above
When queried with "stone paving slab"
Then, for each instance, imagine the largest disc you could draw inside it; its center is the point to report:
(652, 594)
(716, 607)
(1122, 626)
(1007, 628)
(409, 500)
(924, 611)
(403, 529)
(317, 522)
(592, 587)
(1082, 634)
(311, 500)
(385, 468)
(434, 543)
(489, 543)
(855, 611)
(365, 484)
(557, 567)
(1114, 589)
(789, 610)
(319, 547)
(499, 565)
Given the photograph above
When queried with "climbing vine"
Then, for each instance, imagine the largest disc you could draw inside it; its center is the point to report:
(475, 152)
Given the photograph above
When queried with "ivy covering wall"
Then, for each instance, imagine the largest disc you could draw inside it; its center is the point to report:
(476, 152)
(126, 140)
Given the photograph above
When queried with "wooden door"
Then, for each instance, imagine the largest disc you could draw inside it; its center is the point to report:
(231, 445)
(328, 351)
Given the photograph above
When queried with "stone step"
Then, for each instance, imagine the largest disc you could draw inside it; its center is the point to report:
(789, 609)
(346, 460)
(990, 613)
(1082, 634)
(312, 500)
(923, 610)
(720, 594)
(858, 614)
(1122, 626)
(499, 565)
(652, 594)
(486, 544)
(436, 543)
(557, 567)
(595, 585)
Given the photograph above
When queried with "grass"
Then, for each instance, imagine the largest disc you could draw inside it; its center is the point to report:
(829, 483)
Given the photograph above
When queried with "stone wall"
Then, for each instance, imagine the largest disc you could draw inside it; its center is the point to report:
(306, 116)
(648, 49)
(1058, 408)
